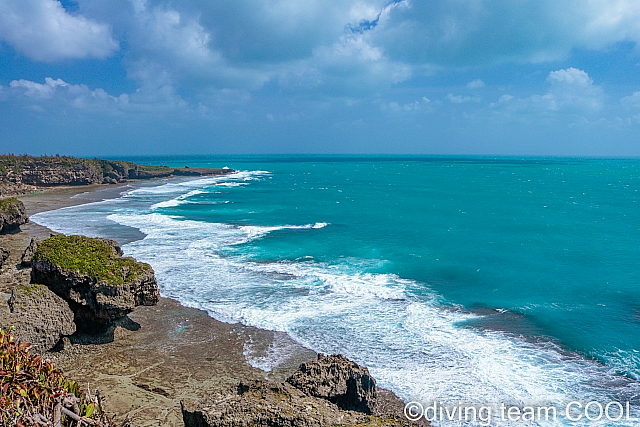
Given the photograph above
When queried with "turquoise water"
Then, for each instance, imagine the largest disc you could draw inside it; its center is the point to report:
(458, 279)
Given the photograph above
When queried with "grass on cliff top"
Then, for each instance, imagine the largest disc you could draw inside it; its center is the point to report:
(8, 205)
(89, 256)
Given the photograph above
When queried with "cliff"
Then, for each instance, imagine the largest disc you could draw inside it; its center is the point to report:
(19, 174)
(12, 215)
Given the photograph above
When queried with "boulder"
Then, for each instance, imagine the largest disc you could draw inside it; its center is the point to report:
(100, 285)
(338, 380)
(25, 261)
(12, 214)
(4, 254)
(37, 316)
(261, 403)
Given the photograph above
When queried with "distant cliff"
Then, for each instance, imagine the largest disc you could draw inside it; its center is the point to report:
(19, 174)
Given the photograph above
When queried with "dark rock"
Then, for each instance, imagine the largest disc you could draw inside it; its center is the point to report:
(12, 214)
(261, 403)
(115, 245)
(97, 301)
(338, 380)
(37, 316)
(265, 404)
(25, 261)
(4, 254)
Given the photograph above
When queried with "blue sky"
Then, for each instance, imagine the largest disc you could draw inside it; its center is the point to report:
(491, 77)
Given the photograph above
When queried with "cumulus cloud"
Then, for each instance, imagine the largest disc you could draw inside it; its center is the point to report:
(56, 94)
(44, 31)
(572, 92)
(475, 84)
(478, 32)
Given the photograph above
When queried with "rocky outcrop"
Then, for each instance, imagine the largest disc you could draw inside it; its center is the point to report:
(23, 174)
(25, 261)
(12, 214)
(261, 403)
(37, 316)
(4, 254)
(338, 380)
(90, 274)
(305, 400)
(48, 174)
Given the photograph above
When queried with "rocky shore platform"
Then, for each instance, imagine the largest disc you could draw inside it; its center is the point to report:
(167, 365)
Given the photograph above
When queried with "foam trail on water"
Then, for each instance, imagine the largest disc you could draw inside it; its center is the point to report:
(411, 343)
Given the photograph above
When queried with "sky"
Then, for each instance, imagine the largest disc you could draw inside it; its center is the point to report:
(459, 77)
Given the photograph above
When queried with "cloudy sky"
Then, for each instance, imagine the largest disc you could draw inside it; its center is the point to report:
(497, 77)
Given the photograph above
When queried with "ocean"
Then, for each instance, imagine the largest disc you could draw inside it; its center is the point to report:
(474, 280)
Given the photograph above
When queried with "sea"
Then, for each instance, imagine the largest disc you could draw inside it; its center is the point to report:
(458, 281)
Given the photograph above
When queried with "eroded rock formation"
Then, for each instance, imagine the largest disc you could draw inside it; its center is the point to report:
(25, 261)
(338, 380)
(99, 284)
(12, 214)
(305, 400)
(37, 316)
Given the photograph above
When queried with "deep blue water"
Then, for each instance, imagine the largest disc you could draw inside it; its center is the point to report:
(458, 279)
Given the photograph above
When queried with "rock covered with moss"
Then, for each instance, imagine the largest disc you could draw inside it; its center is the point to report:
(37, 316)
(99, 284)
(12, 214)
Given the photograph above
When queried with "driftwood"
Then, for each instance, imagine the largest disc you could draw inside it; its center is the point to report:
(68, 406)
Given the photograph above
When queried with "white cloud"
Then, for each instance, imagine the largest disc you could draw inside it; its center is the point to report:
(57, 94)
(570, 76)
(460, 99)
(44, 31)
(475, 84)
(632, 100)
(38, 90)
(572, 92)
(477, 32)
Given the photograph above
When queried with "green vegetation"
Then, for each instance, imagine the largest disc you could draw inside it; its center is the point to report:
(32, 289)
(32, 388)
(92, 257)
(9, 205)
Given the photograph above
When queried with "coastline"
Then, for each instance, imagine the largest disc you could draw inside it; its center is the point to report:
(166, 352)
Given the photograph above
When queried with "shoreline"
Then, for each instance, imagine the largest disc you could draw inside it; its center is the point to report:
(166, 352)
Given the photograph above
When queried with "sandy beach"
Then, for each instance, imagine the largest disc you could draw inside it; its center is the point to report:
(161, 354)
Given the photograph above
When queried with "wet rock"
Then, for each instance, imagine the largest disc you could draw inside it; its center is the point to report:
(99, 284)
(338, 380)
(12, 214)
(37, 316)
(25, 261)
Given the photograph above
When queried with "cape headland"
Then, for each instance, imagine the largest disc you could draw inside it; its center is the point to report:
(94, 317)
(25, 174)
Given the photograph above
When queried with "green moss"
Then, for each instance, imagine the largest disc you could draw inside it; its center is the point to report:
(89, 256)
(9, 205)
(32, 289)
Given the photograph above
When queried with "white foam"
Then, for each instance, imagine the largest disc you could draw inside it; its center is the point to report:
(410, 343)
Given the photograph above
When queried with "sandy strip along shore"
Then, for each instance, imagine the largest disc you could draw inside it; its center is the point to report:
(165, 353)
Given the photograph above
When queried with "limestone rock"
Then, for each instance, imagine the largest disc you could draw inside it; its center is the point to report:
(262, 403)
(4, 254)
(338, 380)
(99, 284)
(37, 316)
(25, 261)
(12, 214)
